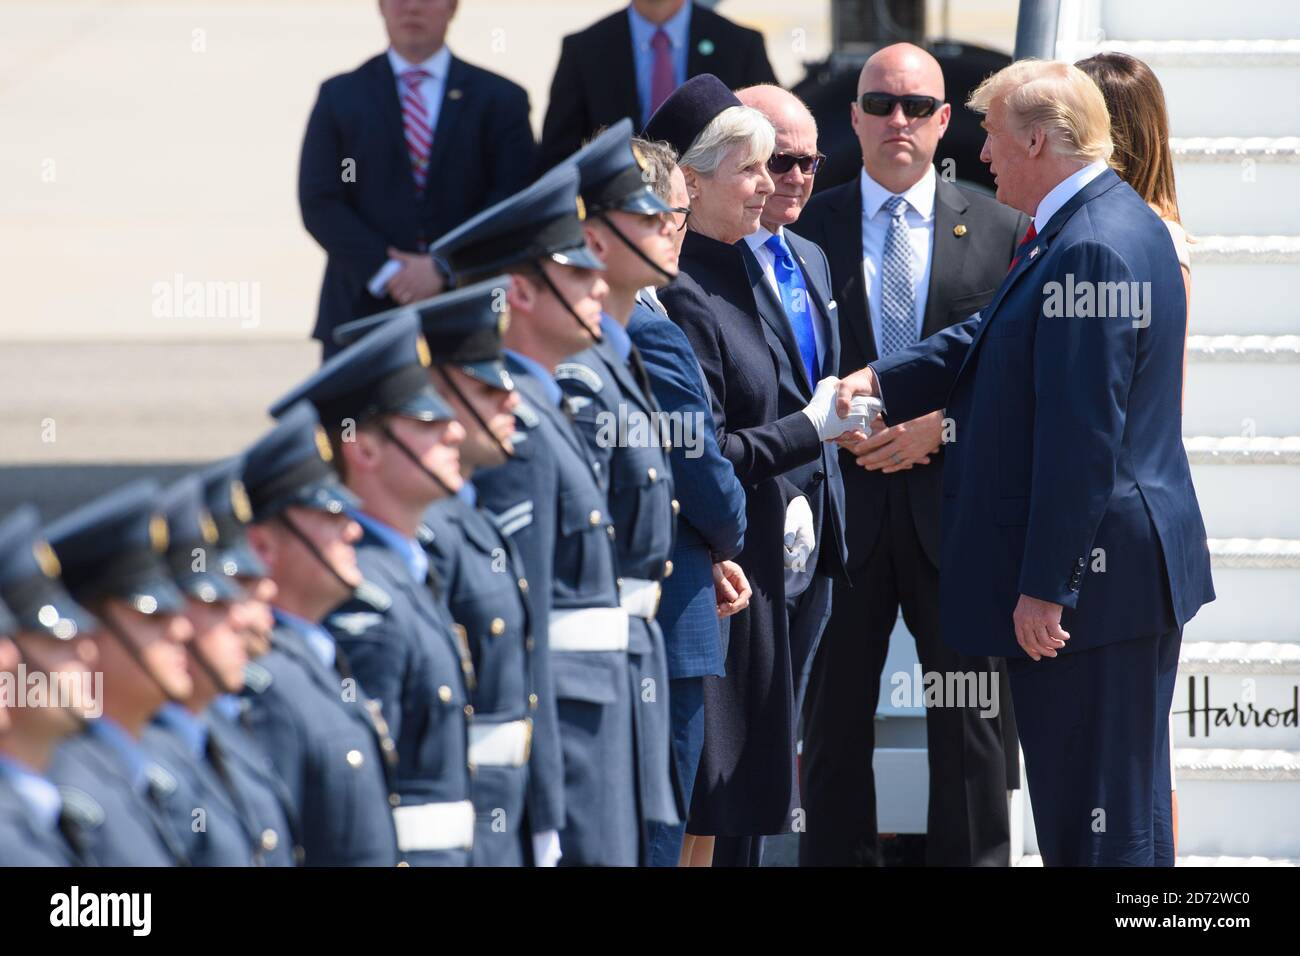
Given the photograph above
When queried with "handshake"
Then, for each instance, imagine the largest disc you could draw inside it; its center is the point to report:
(830, 424)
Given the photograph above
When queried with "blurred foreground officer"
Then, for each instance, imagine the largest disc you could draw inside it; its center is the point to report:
(305, 709)
(405, 147)
(251, 621)
(111, 551)
(396, 443)
(218, 816)
(550, 498)
(616, 413)
(44, 634)
(480, 568)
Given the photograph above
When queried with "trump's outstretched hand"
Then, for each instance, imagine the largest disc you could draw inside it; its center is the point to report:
(898, 447)
(1038, 627)
(861, 382)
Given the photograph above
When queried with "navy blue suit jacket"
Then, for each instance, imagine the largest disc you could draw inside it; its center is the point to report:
(482, 152)
(819, 480)
(1067, 480)
(711, 520)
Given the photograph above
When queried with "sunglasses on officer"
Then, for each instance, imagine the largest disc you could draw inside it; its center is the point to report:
(782, 163)
(914, 105)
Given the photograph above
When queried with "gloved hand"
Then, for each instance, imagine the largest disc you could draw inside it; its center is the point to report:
(799, 538)
(829, 424)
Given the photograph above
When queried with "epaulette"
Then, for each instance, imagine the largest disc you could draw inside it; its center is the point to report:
(84, 809)
(355, 623)
(256, 677)
(527, 415)
(577, 372)
(369, 593)
(160, 780)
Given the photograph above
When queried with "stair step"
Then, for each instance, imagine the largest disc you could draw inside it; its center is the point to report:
(1231, 184)
(1239, 657)
(1257, 583)
(1203, 80)
(1224, 265)
(1247, 499)
(1243, 348)
(1235, 450)
(1226, 763)
(1241, 385)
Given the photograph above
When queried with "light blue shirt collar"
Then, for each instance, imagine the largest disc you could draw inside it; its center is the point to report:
(678, 28)
(127, 749)
(616, 336)
(920, 195)
(436, 65)
(40, 795)
(189, 728)
(468, 494)
(535, 369)
(1064, 191)
(417, 562)
(317, 638)
(230, 706)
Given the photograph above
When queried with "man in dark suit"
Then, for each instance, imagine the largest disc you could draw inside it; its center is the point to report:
(800, 322)
(897, 282)
(627, 64)
(1073, 543)
(399, 151)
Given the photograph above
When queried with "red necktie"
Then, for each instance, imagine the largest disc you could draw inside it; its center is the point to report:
(415, 120)
(662, 77)
(1030, 233)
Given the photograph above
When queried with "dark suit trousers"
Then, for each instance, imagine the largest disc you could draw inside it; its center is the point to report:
(967, 820)
(1095, 729)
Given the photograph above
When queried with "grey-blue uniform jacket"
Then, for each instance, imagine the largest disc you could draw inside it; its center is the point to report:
(204, 810)
(27, 841)
(124, 813)
(408, 657)
(486, 589)
(328, 752)
(618, 417)
(550, 499)
(267, 799)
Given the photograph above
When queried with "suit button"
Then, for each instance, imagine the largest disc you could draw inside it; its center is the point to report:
(270, 840)
(523, 585)
(394, 800)
(610, 529)
(498, 627)
(532, 701)
(594, 518)
(355, 758)
(819, 475)
(469, 710)
(1082, 562)
(444, 694)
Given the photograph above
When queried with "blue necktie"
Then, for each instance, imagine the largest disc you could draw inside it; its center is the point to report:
(897, 288)
(798, 309)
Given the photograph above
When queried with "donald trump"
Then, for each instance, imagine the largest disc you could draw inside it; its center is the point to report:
(1072, 542)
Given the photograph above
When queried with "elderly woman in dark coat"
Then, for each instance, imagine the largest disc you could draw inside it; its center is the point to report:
(746, 784)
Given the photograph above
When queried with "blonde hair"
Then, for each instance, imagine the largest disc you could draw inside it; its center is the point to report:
(735, 126)
(1059, 98)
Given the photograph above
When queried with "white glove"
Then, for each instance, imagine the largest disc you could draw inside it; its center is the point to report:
(821, 411)
(799, 539)
(546, 848)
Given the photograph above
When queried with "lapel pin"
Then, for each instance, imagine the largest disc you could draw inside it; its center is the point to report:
(454, 94)
(1033, 252)
(705, 47)
(959, 230)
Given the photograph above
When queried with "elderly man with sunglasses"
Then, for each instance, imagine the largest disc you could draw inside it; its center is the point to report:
(910, 253)
(793, 295)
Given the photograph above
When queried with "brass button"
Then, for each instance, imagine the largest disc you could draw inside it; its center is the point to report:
(959, 230)
(523, 585)
(403, 863)
(444, 694)
(498, 626)
(270, 840)
(668, 569)
(594, 518)
(532, 701)
(677, 507)
(651, 474)
(394, 800)
(355, 758)
(469, 710)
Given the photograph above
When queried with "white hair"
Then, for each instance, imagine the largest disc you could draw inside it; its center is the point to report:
(741, 126)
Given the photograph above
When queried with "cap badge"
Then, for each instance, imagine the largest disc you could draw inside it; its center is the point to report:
(46, 559)
(582, 209)
(158, 533)
(207, 527)
(323, 445)
(239, 502)
(422, 350)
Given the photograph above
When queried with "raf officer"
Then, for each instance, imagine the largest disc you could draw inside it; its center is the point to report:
(112, 554)
(43, 630)
(550, 497)
(331, 749)
(630, 228)
(481, 570)
(396, 442)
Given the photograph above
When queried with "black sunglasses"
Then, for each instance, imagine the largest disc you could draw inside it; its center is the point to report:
(782, 163)
(914, 105)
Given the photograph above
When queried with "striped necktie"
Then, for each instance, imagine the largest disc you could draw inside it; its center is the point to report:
(415, 122)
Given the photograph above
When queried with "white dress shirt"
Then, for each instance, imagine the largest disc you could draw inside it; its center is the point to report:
(920, 234)
(1063, 192)
(767, 261)
(431, 87)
